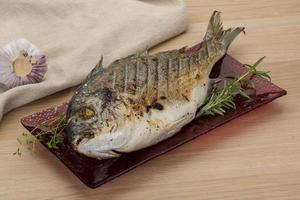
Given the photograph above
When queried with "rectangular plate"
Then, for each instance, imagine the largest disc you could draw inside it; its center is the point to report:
(95, 172)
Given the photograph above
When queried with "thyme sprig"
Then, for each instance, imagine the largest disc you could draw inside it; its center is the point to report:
(223, 99)
(50, 132)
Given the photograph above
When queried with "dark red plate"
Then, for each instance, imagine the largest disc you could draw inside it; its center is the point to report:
(94, 172)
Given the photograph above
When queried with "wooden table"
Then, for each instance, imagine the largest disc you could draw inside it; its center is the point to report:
(254, 157)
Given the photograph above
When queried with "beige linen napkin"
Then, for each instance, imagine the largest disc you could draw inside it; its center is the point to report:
(75, 33)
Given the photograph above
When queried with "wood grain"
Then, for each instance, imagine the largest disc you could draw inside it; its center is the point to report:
(254, 157)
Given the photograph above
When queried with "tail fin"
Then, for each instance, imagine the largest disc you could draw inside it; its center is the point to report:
(217, 37)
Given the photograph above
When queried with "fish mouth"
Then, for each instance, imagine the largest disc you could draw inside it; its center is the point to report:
(111, 153)
(100, 155)
(103, 154)
(81, 141)
(117, 152)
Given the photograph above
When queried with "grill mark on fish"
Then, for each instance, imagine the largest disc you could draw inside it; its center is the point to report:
(176, 73)
(187, 65)
(162, 77)
(184, 66)
(156, 77)
(180, 71)
(142, 76)
(190, 64)
(152, 79)
(148, 78)
(120, 75)
(177, 68)
(125, 78)
(167, 75)
(131, 78)
(194, 65)
(114, 80)
(171, 78)
(137, 76)
(180, 66)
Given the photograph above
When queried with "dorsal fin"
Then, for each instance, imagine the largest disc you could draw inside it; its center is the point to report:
(100, 62)
(98, 68)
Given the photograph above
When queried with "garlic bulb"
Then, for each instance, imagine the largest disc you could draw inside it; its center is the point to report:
(21, 63)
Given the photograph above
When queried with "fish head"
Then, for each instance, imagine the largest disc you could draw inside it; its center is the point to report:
(92, 127)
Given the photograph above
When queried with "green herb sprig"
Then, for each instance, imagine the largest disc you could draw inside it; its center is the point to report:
(223, 99)
(50, 132)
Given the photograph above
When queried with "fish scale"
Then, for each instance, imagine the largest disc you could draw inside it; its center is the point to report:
(162, 70)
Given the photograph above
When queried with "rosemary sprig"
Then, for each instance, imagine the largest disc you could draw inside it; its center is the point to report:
(50, 132)
(222, 100)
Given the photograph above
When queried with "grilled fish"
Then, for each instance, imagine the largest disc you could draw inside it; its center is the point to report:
(143, 99)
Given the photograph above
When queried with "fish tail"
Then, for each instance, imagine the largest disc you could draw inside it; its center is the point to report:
(217, 39)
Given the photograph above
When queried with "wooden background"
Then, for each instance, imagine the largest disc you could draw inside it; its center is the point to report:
(254, 157)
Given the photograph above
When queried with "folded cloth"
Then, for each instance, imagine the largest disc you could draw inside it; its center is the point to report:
(75, 33)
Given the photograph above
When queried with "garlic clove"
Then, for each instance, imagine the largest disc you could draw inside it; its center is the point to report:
(22, 66)
(21, 63)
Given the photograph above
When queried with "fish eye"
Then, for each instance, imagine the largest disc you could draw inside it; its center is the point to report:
(86, 113)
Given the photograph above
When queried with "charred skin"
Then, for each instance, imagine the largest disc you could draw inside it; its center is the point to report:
(143, 99)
